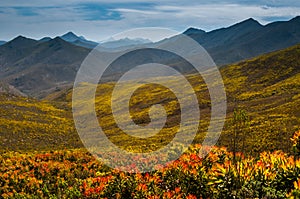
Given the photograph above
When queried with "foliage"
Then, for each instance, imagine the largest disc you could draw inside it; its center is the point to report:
(296, 143)
(76, 174)
(240, 125)
(266, 87)
(29, 124)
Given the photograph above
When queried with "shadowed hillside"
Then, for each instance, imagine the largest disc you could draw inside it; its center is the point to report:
(266, 87)
(34, 67)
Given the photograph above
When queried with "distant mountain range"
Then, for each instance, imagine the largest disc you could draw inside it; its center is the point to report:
(2, 42)
(74, 39)
(124, 42)
(247, 39)
(39, 67)
(111, 43)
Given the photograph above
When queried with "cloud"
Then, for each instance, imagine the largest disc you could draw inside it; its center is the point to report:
(208, 16)
(227, 11)
(94, 12)
(25, 11)
(37, 3)
(135, 11)
(99, 19)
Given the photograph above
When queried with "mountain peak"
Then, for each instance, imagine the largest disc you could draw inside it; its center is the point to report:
(70, 33)
(21, 41)
(56, 41)
(20, 37)
(296, 19)
(78, 40)
(70, 37)
(249, 21)
(193, 31)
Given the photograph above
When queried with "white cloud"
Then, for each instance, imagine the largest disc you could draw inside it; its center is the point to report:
(207, 17)
(57, 19)
(135, 11)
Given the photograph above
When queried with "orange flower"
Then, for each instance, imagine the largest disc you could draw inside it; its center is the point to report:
(153, 197)
(168, 194)
(177, 189)
(142, 187)
(296, 138)
(297, 184)
(190, 196)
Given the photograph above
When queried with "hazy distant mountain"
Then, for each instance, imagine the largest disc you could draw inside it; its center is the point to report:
(2, 42)
(124, 42)
(194, 31)
(37, 68)
(70, 37)
(247, 39)
(34, 67)
(45, 39)
(78, 40)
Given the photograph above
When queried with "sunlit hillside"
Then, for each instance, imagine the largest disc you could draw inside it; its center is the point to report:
(266, 88)
(28, 124)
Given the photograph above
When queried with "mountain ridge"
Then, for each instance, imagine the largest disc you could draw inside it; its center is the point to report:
(37, 67)
(41, 65)
(248, 39)
(78, 40)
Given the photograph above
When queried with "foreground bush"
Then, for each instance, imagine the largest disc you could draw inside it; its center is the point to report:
(76, 174)
(296, 143)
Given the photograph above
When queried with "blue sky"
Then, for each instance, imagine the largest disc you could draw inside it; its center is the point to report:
(99, 19)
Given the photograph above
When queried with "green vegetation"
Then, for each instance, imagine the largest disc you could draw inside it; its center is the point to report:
(263, 113)
(267, 88)
(28, 124)
(77, 174)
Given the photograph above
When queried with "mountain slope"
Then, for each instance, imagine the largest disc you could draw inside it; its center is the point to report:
(9, 89)
(266, 87)
(15, 50)
(28, 124)
(34, 67)
(248, 39)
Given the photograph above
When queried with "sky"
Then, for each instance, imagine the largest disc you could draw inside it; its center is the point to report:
(98, 20)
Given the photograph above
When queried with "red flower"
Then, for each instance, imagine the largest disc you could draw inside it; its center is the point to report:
(190, 196)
